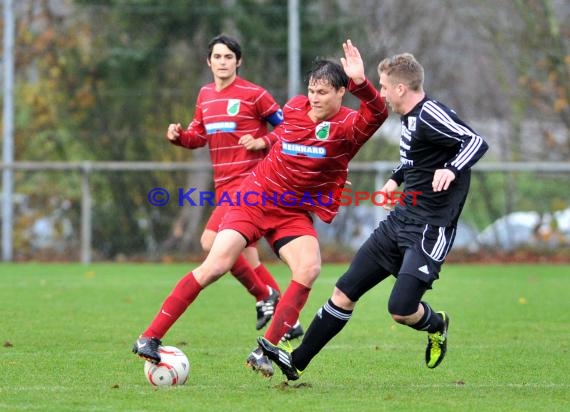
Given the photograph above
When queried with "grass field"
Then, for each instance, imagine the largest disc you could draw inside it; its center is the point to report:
(67, 330)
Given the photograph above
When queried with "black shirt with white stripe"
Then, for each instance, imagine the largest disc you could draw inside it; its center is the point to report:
(434, 137)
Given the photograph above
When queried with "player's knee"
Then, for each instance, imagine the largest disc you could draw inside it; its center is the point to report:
(205, 246)
(206, 243)
(214, 268)
(307, 273)
(314, 270)
(205, 275)
(222, 266)
(252, 257)
(341, 300)
(207, 239)
(401, 310)
(400, 319)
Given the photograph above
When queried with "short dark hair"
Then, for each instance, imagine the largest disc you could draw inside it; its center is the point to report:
(230, 42)
(329, 71)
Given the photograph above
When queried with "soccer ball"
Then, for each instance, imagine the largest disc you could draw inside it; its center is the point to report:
(173, 368)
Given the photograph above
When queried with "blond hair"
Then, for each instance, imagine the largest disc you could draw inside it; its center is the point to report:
(403, 68)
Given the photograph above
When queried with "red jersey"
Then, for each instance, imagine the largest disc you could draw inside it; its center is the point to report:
(220, 119)
(309, 162)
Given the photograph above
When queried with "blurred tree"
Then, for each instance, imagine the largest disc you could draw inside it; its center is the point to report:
(53, 102)
(153, 52)
(531, 60)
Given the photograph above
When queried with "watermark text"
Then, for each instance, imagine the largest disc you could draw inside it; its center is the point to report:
(343, 197)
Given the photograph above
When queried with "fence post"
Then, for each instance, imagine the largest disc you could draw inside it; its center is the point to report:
(8, 132)
(380, 169)
(86, 214)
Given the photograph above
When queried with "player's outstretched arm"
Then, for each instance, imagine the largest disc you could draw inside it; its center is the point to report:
(352, 63)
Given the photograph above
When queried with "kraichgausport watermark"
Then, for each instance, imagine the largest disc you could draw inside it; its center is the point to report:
(343, 197)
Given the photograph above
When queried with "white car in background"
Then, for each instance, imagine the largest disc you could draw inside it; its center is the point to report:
(528, 229)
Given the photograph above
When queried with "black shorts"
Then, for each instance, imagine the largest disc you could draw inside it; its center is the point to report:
(397, 247)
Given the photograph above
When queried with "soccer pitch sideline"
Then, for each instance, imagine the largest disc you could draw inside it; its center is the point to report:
(67, 331)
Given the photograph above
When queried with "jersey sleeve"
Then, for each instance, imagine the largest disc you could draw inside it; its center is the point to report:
(266, 104)
(271, 138)
(444, 128)
(398, 174)
(195, 135)
(270, 111)
(371, 113)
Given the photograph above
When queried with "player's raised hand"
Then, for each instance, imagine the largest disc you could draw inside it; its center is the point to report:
(352, 62)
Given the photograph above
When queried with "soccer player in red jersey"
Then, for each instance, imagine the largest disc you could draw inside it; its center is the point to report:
(231, 117)
(302, 175)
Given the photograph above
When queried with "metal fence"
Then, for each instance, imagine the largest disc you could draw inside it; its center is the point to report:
(531, 199)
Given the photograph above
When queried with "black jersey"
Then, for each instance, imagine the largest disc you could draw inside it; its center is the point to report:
(433, 137)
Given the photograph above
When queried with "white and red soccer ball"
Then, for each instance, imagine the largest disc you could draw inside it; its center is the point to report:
(173, 368)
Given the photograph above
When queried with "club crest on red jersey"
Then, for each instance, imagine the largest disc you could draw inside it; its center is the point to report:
(322, 130)
(233, 107)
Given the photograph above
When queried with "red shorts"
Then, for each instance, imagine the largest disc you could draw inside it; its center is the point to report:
(217, 216)
(269, 221)
(225, 192)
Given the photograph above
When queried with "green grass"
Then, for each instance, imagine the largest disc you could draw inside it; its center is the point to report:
(67, 329)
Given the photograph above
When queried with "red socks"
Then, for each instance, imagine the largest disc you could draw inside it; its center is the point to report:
(243, 272)
(265, 276)
(287, 311)
(174, 305)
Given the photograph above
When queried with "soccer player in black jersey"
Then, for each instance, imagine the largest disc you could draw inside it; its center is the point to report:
(437, 150)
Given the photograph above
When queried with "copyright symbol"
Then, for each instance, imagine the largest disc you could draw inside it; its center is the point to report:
(158, 196)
